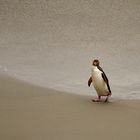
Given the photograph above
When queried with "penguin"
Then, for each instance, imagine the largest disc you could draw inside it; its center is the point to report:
(100, 81)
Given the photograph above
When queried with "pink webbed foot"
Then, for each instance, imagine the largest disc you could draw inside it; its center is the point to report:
(97, 100)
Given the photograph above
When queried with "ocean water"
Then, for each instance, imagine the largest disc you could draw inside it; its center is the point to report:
(52, 43)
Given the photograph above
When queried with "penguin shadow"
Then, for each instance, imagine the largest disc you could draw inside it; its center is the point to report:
(101, 101)
(93, 101)
(90, 101)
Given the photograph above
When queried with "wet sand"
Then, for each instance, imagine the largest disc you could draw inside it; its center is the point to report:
(28, 112)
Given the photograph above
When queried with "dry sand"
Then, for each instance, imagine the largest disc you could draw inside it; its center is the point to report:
(28, 112)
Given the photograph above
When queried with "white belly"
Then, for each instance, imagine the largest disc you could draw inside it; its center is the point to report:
(98, 83)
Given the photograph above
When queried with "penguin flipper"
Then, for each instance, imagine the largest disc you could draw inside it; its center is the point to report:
(89, 81)
(106, 81)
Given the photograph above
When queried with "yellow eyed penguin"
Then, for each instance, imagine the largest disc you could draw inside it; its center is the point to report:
(100, 81)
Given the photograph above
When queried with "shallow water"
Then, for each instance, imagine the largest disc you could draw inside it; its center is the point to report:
(52, 43)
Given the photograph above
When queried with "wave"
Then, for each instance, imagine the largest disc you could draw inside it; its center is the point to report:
(52, 43)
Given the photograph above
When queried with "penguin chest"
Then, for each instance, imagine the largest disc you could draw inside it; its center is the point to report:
(98, 82)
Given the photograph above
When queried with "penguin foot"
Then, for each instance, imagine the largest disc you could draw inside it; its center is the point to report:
(99, 99)
(106, 100)
(96, 100)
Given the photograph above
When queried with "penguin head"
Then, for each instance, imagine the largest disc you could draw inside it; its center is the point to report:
(96, 62)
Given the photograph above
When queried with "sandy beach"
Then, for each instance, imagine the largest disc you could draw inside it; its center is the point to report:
(46, 51)
(28, 112)
(52, 43)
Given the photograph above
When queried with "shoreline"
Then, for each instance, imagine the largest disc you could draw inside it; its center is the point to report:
(29, 112)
